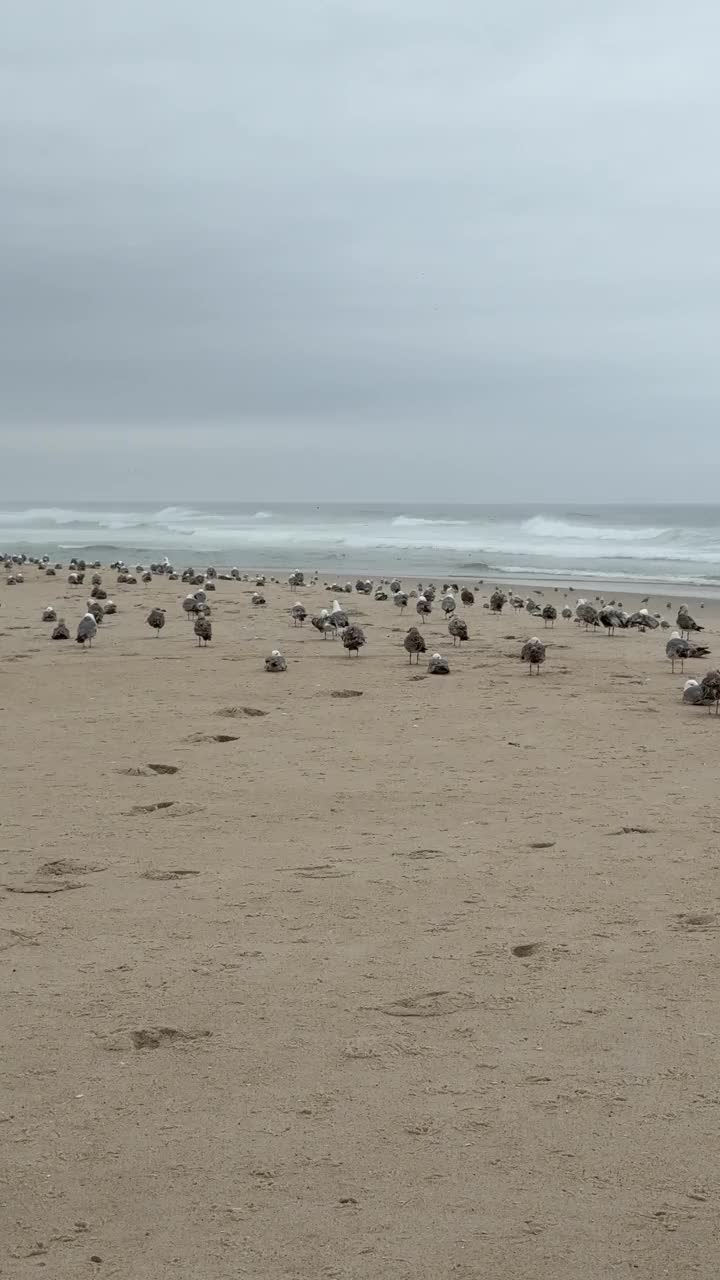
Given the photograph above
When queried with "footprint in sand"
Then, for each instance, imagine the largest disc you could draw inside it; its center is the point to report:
(525, 949)
(430, 1004)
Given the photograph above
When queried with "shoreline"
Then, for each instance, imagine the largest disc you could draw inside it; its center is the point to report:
(572, 585)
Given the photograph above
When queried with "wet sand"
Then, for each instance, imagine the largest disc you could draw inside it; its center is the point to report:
(263, 1016)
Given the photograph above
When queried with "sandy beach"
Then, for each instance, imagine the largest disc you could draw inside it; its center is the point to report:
(262, 1011)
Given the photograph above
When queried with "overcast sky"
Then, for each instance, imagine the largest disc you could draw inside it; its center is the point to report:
(451, 248)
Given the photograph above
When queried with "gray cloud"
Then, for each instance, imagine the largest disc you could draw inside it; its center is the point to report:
(355, 226)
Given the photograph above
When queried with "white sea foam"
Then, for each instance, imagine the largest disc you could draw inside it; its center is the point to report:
(667, 544)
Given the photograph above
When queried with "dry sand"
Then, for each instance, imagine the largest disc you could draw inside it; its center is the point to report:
(276, 1028)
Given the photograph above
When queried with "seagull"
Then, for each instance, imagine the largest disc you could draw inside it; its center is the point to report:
(533, 652)
(299, 614)
(414, 644)
(424, 607)
(677, 650)
(203, 629)
(321, 622)
(190, 605)
(685, 622)
(61, 631)
(586, 613)
(643, 619)
(567, 613)
(497, 600)
(438, 666)
(710, 685)
(612, 618)
(458, 629)
(400, 599)
(338, 618)
(353, 640)
(87, 630)
(693, 692)
(49, 614)
(549, 614)
(447, 604)
(467, 596)
(156, 619)
(276, 662)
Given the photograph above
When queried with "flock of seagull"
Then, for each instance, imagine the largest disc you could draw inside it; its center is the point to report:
(334, 622)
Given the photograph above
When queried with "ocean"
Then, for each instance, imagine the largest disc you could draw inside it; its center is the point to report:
(638, 544)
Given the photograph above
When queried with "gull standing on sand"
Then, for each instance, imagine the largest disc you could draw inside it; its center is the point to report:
(190, 605)
(400, 600)
(677, 650)
(497, 600)
(533, 652)
(203, 629)
(299, 614)
(156, 619)
(458, 630)
(586, 613)
(643, 620)
(414, 644)
(467, 596)
(338, 618)
(353, 640)
(61, 632)
(611, 618)
(685, 622)
(710, 685)
(87, 630)
(447, 604)
(549, 614)
(423, 607)
(321, 622)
